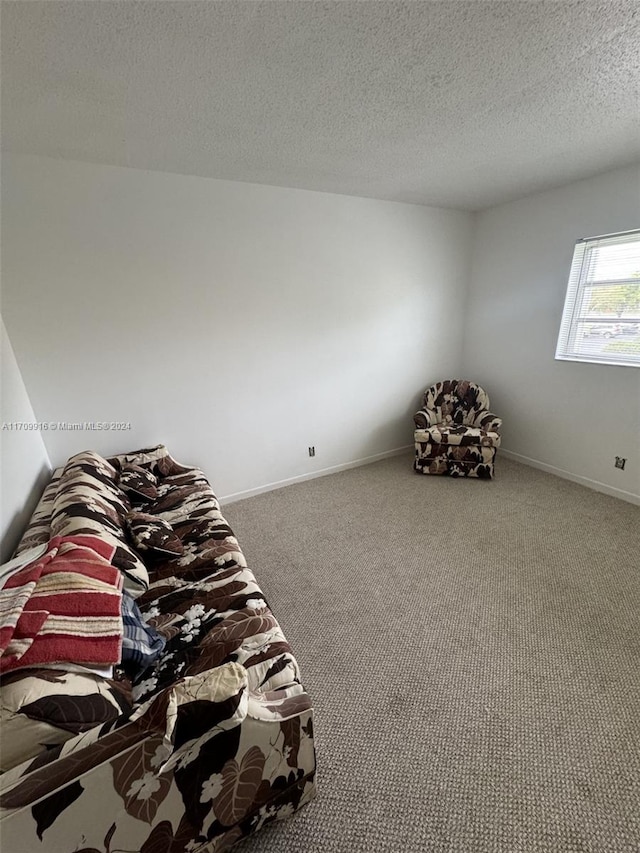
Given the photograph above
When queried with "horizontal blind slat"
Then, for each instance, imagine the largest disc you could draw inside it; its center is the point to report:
(595, 264)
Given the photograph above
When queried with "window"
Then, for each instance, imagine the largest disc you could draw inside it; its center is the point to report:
(601, 317)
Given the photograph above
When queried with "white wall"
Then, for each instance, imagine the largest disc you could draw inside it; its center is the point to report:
(25, 465)
(572, 418)
(237, 323)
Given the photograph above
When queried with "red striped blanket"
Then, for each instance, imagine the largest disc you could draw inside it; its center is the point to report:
(64, 606)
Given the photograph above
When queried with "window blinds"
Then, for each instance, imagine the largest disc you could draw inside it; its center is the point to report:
(601, 317)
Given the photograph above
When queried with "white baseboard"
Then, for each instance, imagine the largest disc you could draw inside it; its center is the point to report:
(269, 487)
(596, 485)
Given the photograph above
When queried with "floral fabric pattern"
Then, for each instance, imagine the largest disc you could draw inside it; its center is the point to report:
(153, 534)
(217, 737)
(456, 434)
(51, 705)
(87, 500)
(137, 482)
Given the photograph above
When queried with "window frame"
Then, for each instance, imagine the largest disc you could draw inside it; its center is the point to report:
(574, 318)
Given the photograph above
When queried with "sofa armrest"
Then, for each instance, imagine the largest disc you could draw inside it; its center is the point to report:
(196, 709)
(118, 791)
(425, 418)
(218, 700)
(488, 421)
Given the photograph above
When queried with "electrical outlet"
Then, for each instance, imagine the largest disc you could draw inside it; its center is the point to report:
(312, 451)
(619, 463)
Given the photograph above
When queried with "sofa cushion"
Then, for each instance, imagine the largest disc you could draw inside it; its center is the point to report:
(98, 479)
(89, 501)
(138, 483)
(38, 531)
(50, 705)
(152, 534)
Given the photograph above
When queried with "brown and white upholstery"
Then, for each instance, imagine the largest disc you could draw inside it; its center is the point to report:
(456, 434)
(193, 750)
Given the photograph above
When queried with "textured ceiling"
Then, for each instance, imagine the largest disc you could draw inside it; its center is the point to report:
(452, 103)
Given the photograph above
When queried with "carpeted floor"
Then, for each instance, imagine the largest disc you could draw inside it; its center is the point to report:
(472, 650)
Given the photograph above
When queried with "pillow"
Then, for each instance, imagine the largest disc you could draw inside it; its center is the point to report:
(88, 501)
(154, 459)
(137, 482)
(154, 535)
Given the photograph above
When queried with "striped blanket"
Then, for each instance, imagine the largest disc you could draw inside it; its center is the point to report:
(62, 607)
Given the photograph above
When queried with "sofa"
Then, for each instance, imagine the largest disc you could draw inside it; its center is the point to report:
(196, 737)
(455, 432)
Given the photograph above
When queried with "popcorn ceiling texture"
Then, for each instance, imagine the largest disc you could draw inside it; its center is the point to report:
(458, 104)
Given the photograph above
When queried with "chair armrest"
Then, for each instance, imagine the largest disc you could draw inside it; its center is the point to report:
(425, 418)
(488, 421)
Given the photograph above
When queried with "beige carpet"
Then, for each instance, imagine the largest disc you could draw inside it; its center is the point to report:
(472, 650)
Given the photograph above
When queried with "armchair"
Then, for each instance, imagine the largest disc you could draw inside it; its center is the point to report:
(456, 434)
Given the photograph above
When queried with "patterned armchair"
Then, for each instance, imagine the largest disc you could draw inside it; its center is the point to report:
(456, 434)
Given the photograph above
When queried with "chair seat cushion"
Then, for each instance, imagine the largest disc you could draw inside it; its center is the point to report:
(455, 434)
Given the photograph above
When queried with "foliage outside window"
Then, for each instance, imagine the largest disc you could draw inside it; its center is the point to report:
(601, 317)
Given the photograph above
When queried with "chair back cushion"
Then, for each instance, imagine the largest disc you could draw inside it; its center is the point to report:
(456, 401)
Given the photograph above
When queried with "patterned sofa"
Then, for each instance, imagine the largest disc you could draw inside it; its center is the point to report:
(456, 434)
(197, 750)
